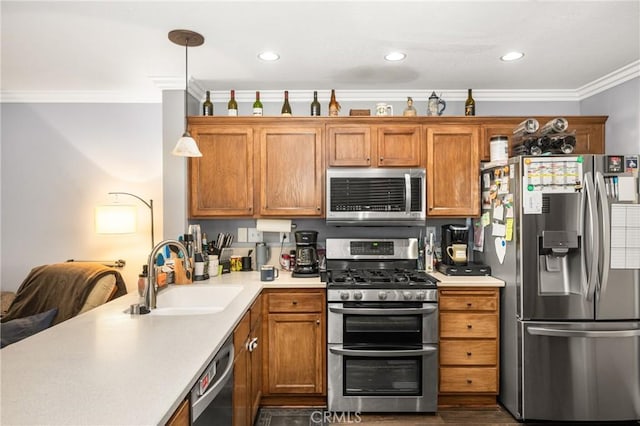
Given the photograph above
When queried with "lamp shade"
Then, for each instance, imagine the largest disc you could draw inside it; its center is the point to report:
(116, 219)
(186, 147)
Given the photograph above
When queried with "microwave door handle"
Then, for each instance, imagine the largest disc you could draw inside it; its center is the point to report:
(605, 234)
(384, 311)
(407, 193)
(199, 405)
(426, 349)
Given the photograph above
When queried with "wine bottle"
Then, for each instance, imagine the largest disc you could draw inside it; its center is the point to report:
(334, 106)
(315, 105)
(207, 105)
(286, 108)
(232, 105)
(257, 105)
(470, 104)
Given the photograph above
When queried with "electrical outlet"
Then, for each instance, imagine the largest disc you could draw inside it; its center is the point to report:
(255, 236)
(242, 235)
(286, 235)
(431, 230)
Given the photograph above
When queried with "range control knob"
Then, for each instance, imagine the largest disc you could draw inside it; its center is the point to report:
(344, 295)
(406, 295)
(420, 295)
(382, 295)
(357, 295)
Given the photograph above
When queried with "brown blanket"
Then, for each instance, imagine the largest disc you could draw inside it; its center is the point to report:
(61, 285)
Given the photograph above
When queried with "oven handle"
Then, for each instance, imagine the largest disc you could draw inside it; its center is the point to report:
(379, 353)
(383, 311)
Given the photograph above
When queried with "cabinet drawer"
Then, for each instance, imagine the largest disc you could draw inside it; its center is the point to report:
(468, 379)
(468, 302)
(296, 302)
(468, 325)
(468, 352)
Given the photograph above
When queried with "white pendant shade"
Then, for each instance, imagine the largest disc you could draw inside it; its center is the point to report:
(116, 219)
(186, 147)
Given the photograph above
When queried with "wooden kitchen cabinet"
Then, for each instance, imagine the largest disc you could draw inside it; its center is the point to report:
(469, 345)
(453, 164)
(295, 347)
(291, 171)
(182, 415)
(349, 146)
(221, 181)
(365, 145)
(266, 167)
(247, 369)
(590, 132)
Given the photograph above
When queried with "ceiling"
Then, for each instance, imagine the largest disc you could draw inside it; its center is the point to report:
(119, 50)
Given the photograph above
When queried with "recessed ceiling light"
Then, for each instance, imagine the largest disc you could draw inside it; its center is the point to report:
(269, 56)
(512, 56)
(395, 56)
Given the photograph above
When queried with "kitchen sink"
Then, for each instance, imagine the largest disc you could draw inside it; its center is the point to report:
(195, 299)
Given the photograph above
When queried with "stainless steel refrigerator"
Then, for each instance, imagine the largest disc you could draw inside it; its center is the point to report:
(563, 232)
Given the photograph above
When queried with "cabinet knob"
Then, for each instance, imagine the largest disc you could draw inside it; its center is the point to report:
(469, 304)
(381, 158)
(368, 160)
(468, 353)
(318, 208)
(469, 326)
(469, 381)
(318, 322)
(295, 302)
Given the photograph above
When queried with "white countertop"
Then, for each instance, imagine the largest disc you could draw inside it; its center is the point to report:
(466, 281)
(108, 367)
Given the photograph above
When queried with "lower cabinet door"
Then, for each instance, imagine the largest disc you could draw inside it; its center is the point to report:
(295, 357)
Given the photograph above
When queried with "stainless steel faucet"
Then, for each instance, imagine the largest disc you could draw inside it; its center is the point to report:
(151, 289)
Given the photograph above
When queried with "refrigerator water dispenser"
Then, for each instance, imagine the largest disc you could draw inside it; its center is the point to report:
(554, 251)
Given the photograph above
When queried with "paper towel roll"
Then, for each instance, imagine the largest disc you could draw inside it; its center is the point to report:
(273, 225)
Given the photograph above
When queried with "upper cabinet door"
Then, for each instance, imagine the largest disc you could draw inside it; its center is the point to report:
(399, 146)
(221, 181)
(490, 130)
(589, 138)
(349, 146)
(453, 164)
(291, 171)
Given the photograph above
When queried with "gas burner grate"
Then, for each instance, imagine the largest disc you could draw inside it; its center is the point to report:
(380, 278)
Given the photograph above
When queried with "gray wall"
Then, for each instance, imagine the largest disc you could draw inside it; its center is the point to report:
(58, 161)
(622, 105)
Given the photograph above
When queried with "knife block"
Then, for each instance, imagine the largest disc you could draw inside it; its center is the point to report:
(182, 275)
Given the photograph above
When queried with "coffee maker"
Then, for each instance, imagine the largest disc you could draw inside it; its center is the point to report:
(454, 253)
(451, 242)
(306, 254)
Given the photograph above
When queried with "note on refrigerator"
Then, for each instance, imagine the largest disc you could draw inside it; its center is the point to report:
(532, 201)
(627, 188)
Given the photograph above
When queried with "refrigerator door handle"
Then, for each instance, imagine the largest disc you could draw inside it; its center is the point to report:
(594, 244)
(605, 226)
(555, 332)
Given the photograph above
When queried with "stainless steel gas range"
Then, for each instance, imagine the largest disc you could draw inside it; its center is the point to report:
(382, 327)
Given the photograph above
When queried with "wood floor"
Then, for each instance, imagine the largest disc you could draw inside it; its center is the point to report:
(497, 416)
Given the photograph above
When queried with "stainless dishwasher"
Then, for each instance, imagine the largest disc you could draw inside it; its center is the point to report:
(211, 397)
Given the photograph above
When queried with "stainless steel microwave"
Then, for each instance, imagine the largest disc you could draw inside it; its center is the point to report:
(376, 197)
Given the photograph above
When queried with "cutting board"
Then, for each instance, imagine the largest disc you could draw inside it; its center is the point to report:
(182, 275)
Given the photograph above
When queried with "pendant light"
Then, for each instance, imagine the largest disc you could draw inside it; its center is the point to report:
(186, 146)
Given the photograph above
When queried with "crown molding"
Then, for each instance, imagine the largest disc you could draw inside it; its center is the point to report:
(196, 89)
(610, 80)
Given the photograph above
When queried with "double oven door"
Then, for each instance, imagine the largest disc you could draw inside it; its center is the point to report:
(382, 357)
